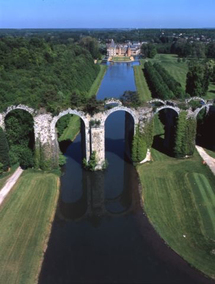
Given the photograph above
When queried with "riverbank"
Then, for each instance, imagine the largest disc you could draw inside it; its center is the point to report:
(72, 130)
(96, 84)
(141, 84)
(25, 224)
(179, 201)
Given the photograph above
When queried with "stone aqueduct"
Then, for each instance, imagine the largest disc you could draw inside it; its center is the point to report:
(45, 124)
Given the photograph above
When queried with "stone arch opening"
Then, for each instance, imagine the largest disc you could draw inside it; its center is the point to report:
(205, 134)
(165, 119)
(123, 121)
(68, 125)
(71, 125)
(19, 126)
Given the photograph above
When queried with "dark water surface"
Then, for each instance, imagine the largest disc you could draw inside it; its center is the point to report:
(100, 233)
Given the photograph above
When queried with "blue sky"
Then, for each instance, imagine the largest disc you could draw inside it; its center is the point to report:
(107, 14)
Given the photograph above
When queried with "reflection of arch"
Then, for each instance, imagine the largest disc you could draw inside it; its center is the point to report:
(176, 109)
(207, 106)
(121, 108)
(196, 99)
(63, 113)
(19, 107)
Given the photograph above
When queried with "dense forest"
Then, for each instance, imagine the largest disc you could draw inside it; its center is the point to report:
(43, 74)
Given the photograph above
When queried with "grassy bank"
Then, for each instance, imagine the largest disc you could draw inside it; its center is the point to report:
(141, 84)
(72, 129)
(25, 218)
(179, 199)
(96, 84)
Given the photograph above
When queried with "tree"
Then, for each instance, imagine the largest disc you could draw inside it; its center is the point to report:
(198, 79)
(92, 45)
(139, 147)
(1, 168)
(4, 151)
(149, 50)
(185, 135)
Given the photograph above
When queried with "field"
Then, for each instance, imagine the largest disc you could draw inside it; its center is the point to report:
(179, 199)
(169, 62)
(72, 129)
(121, 59)
(142, 87)
(96, 84)
(25, 222)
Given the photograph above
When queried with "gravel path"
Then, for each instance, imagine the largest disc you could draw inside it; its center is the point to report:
(9, 184)
(208, 159)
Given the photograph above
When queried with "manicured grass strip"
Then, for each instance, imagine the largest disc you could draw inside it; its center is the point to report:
(142, 87)
(124, 58)
(72, 130)
(179, 199)
(96, 84)
(25, 225)
(208, 197)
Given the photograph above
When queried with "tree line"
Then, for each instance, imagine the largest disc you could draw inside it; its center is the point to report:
(161, 83)
(42, 74)
(164, 86)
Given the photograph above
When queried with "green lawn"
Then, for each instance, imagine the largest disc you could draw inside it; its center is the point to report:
(142, 87)
(96, 84)
(177, 70)
(169, 62)
(179, 199)
(211, 91)
(124, 58)
(25, 223)
(72, 129)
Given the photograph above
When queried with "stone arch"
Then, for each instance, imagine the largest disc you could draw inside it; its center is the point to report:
(207, 106)
(19, 107)
(176, 109)
(63, 113)
(86, 125)
(132, 112)
(195, 99)
(157, 101)
(112, 101)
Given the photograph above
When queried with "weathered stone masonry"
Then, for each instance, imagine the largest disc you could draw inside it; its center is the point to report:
(45, 126)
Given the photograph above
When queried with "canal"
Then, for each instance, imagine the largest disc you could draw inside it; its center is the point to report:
(100, 233)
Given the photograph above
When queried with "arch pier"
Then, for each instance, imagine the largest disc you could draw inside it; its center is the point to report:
(93, 131)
